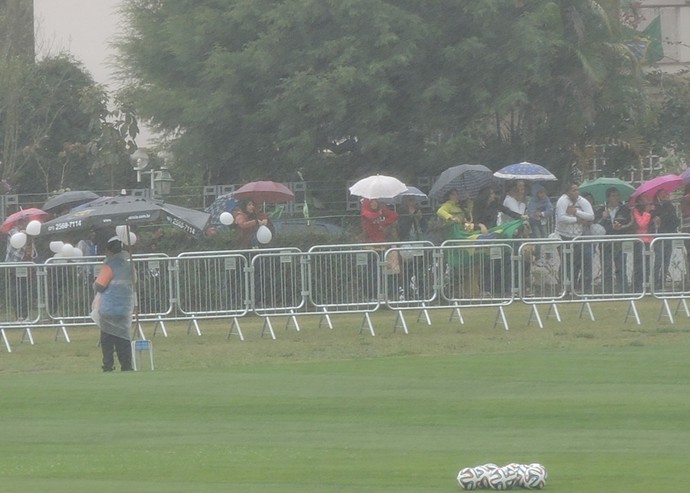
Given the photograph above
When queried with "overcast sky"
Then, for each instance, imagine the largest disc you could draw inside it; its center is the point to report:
(84, 28)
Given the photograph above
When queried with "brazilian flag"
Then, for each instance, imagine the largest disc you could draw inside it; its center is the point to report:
(466, 256)
(646, 45)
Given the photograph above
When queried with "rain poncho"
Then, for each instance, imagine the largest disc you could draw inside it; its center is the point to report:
(116, 303)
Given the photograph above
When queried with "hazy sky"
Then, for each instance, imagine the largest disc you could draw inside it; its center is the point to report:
(84, 28)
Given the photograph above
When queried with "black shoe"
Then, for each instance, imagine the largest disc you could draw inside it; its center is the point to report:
(107, 369)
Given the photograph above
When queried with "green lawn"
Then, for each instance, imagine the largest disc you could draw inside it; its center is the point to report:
(603, 405)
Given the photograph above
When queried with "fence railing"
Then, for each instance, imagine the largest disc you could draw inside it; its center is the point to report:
(359, 279)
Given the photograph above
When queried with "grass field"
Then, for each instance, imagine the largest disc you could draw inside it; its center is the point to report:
(603, 405)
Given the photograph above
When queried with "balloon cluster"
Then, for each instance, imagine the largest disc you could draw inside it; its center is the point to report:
(18, 240)
(491, 476)
(64, 250)
(263, 234)
(126, 237)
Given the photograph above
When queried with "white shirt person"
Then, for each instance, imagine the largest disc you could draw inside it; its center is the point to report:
(573, 213)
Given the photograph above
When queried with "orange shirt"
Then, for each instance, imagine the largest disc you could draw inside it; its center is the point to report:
(104, 276)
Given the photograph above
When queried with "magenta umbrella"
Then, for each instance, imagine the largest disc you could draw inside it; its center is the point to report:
(685, 175)
(24, 215)
(650, 188)
(264, 191)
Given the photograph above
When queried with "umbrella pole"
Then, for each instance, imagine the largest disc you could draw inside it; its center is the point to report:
(135, 289)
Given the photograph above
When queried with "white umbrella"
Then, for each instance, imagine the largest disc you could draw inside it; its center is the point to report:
(377, 187)
(410, 192)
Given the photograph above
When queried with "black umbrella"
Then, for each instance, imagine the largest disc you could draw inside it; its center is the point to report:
(127, 210)
(466, 178)
(67, 200)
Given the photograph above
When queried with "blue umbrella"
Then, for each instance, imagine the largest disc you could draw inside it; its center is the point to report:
(525, 171)
(223, 203)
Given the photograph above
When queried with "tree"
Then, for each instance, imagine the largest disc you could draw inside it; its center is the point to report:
(668, 132)
(58, 130)
(262, 88)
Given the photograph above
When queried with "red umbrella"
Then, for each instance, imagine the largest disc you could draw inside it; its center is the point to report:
(264, 191)
(669, 183)
(22, 215)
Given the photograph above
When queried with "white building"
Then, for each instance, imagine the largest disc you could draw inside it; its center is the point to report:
(675, 31)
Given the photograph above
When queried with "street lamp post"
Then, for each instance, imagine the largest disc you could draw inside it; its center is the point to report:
(160, 179)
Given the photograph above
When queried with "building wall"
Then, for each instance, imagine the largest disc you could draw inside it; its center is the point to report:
(675, 31)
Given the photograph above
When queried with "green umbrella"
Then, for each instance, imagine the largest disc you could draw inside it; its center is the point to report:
(599, 186)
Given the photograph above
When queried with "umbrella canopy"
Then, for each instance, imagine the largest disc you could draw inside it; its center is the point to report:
(685, 175)
(651, 187)
(525, 171)
(264, 191)
(378, 187)
(410, 192)
(92, 203)
(67, 200)
(127, 210)
(599, 186)
(223, 203)
(466, 178)
(23, 215)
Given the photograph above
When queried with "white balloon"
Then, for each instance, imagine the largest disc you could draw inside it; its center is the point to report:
(226, 218)
(263, 234)
(56, 246)
(66, 250)
(121, 233)
(76, 252)
(131, 240)
(33, 228)
(18, 240)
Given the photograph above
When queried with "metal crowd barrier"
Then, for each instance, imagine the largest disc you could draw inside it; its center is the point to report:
(368, 271)
(358, 279)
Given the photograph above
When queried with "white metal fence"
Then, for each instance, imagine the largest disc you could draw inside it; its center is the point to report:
(359, 279)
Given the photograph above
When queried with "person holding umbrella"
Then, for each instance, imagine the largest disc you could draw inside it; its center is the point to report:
(249, 219)
(26, 253)
(378, 222)
(642, 217)
(665, 221)
(539, 211)
(457, 208)
(515, 200)
(115, 304)
(616, 219)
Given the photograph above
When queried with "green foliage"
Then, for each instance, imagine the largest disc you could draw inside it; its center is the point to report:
(173, 241)
(58, 130)
(669, 132)
(259, 89)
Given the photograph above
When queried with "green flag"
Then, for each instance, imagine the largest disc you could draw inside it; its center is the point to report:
(652, 34)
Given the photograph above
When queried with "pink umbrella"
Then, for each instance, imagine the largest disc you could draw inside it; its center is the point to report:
(25, 215)
(669, 183)
(685, 175)
(264, 191)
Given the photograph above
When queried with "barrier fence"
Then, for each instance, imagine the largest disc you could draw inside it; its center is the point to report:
(359, 279)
